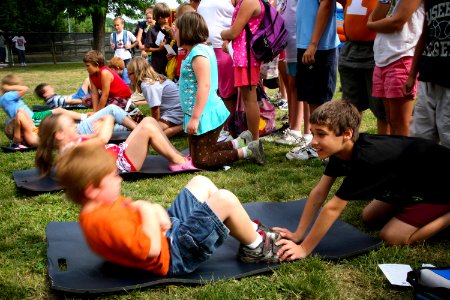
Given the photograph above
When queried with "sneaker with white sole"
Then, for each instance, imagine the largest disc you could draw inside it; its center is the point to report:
(290, 138)
(257, 151)
(304, 153)
(247, 136)
(224, 136)
(265, 252)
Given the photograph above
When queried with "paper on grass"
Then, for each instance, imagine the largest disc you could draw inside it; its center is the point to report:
(159, 38)
(396, 273)
(170, 49)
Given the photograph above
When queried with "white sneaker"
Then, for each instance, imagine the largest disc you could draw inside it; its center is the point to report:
(290, 138)
(224, 136)
(304, 153)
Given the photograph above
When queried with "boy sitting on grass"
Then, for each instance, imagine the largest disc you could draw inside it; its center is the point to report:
(144, 235)
(410, 199)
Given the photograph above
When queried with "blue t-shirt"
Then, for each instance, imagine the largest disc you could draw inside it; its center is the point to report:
(11, 102)
(306, 18)
(215, 112)
(125, 76)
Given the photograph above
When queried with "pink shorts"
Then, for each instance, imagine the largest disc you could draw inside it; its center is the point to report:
(226, 74)
(420, 214)
(241, 76)
(388, 81)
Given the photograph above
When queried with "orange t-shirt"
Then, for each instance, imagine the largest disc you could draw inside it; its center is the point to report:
(114, 232)
(356, 15)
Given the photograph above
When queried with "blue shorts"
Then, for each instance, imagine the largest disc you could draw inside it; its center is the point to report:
(195, 234)
(291, 69)
(316, 83)
(79, 94)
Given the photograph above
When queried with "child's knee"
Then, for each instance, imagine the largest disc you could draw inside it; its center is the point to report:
(393, 236)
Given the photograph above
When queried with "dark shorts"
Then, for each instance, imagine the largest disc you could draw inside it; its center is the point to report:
(316, 83)
(356, 86)
(420, 214)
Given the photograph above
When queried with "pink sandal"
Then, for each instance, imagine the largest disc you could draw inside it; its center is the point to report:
(183, 167)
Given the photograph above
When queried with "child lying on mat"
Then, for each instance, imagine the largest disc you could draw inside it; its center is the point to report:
(58, 132)
(53, 100)
(21, 127)
(410, 199)
(144, 235)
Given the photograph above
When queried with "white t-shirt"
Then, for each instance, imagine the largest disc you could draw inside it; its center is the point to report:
(217, 14)
(19, 42)
(120, 51)
(390, 47)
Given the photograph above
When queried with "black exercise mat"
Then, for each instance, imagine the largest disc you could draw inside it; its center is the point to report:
(68, 107)
(31, 181)
(118, 137)
(73, 268)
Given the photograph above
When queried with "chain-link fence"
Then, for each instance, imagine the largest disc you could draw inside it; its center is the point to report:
(54, 47)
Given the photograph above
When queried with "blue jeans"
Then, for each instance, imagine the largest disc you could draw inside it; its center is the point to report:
(195, 234)
(87, 126)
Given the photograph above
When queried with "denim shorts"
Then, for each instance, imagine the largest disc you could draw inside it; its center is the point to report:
(195, 234)
(316, 83)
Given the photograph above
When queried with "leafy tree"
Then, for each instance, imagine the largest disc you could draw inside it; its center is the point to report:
(97, 10)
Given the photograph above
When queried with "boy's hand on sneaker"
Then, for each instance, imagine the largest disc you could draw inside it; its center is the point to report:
(290, 251)
(287, 234)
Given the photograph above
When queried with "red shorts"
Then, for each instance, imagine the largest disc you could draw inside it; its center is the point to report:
(241, 76)
(420, 214)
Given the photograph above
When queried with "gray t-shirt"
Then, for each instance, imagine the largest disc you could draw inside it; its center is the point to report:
(167, 96)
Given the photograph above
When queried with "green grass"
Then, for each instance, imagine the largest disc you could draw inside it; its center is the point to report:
(23, 270)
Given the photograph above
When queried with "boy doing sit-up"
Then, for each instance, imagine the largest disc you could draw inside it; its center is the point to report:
(410, 200)
(144, 235)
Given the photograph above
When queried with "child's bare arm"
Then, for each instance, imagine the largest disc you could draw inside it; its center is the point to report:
(323, 14)
(106, 79)
(21, 89)
(103, 128)
(379, 23)
(201, 67)
(315, 200)
(327, 216)
(156, 112)
(151, 224)
(248, 9)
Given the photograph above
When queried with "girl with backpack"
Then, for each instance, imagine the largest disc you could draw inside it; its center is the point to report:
(249, 12)
(204, 111)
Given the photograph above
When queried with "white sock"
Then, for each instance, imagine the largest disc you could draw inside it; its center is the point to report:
(235, 144)
(297, 133)
(255, 226)
(256, 243)
(245, 152)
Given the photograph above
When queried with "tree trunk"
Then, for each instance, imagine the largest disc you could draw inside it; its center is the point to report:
(98, 28)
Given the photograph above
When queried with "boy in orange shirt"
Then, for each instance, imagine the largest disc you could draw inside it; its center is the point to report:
(138, 233)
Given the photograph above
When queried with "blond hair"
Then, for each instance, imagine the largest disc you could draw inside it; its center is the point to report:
(143, 72)
(83, 165)
(48, 143)
(11, 79)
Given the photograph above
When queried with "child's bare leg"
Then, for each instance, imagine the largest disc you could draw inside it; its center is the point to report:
(71, 114)
(170, 131)
(230, 210)
(201, 187)
(148, 133)
(24, 129)
(251, 110)
(129, 123)
(397, 232)
(377, 213)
